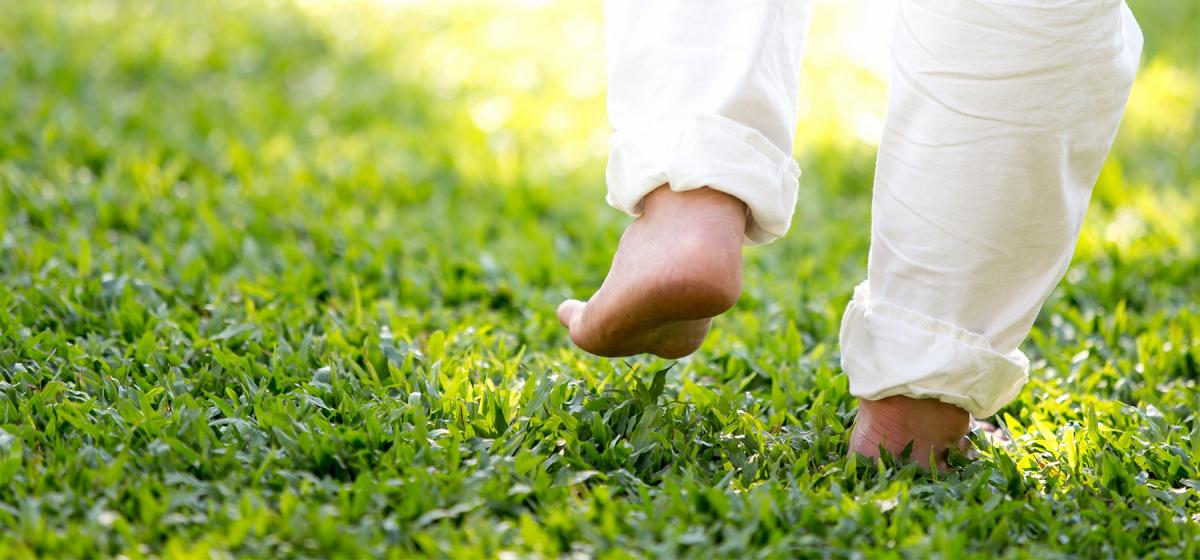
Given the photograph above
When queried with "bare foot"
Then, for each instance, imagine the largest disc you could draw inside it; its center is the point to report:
(931, 425)
(676, 267)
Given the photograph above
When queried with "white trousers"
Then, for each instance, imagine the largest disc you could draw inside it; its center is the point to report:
(1000, 114)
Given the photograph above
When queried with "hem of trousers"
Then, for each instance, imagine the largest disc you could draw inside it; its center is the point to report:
(890, 350)
(689, 152)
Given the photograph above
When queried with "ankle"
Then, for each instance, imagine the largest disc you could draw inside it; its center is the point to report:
(924, 421)
(706, 201)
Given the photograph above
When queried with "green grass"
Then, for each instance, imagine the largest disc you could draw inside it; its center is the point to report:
(269, 288)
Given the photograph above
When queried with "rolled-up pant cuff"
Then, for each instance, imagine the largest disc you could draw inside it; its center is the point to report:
(889, 350)
(702, 150)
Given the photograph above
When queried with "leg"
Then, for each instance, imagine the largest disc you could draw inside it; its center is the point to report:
(1000, 115)
(702, 97)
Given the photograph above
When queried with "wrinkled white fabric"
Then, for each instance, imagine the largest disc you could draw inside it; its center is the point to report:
(1000, 115)
(703, 93)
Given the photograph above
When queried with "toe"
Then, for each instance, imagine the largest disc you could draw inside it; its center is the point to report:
(568, 311)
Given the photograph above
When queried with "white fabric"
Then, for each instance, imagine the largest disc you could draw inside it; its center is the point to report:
(703, 93)
(1000, 114)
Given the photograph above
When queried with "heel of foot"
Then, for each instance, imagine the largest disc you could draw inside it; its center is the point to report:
(703, 280)
(896, 422)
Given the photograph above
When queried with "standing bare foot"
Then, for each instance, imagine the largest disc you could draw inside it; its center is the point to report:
(931, 425)
(676, 267)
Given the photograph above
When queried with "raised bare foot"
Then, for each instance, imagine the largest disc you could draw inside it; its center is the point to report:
(676, 267)
(930, 425)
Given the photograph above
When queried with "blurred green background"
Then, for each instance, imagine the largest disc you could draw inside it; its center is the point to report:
(277, 278)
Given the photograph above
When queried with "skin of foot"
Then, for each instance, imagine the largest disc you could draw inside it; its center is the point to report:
(676, 267)
(931, 425)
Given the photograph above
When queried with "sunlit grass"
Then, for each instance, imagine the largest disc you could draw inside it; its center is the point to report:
(277, 279)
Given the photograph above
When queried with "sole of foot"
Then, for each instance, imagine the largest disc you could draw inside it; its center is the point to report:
(676, 267)
(931, 426)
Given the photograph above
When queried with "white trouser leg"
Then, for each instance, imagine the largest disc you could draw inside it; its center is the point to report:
(1000, 115)
(702, 93)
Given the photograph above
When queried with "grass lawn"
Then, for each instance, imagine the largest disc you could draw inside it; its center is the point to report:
(278, 279)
